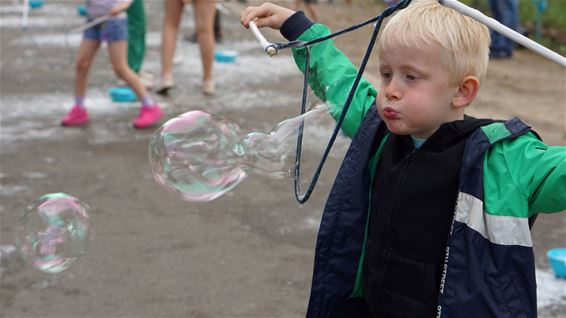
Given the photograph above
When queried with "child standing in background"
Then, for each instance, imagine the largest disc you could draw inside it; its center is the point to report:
(310, 5)
(115, 32)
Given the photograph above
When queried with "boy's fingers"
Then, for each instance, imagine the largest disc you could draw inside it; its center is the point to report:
(264, 22)
(244, 15)
(250, 16)
(258, 12)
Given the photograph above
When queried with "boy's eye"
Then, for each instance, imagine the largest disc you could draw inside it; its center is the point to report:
(411, 77)
(385, 74)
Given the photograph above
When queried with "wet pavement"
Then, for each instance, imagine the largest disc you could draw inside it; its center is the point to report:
(246, 254)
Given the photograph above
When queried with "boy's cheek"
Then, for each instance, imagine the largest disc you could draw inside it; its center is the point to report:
(379, 101)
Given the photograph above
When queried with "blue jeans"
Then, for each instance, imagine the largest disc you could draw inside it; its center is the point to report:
(109, 31)
(506, 12)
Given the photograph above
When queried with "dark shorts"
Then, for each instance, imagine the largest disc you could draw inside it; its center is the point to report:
(109, 31)
(310, 1)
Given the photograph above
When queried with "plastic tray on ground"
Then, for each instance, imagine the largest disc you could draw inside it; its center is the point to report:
(82, 11)
(35, 4)
(557, 260)
(122, 94)
(227, 56)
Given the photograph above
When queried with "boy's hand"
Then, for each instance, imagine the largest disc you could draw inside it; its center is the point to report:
(266, 15)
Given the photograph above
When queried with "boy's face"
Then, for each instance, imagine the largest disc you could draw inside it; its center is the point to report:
(415, 95)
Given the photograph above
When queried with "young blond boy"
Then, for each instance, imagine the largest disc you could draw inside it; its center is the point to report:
(429, 214)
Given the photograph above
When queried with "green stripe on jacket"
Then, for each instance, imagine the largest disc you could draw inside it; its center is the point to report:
(523, 177)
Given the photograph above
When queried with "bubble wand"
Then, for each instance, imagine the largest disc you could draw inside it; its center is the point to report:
(80, 28)
(453, 4)
(302, 198)
(273, 48)
(89, 24)
(268, 47)
(504, 30)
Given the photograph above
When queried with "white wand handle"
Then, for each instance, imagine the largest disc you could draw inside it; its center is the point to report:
(268, 47)
(25, 14)
(502, 29)
(90, 24)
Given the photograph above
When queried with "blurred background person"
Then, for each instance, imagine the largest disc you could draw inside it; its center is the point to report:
(217, 30)
(204, 11)
(136, 42)
(506, 12)
(310, 5)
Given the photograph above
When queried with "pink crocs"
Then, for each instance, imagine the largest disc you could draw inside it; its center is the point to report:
(148, 116)
(77, 116)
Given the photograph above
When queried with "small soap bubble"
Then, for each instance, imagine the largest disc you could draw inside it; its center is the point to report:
(200, 156)
(53, 231)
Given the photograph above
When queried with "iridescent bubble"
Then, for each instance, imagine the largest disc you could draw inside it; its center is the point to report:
(52, 234)
(200, 156)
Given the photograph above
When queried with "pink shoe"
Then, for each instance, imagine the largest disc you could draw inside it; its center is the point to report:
(148, 116)
(77, 116)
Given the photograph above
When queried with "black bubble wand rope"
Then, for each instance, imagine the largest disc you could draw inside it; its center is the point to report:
(302, 198)
(272, 49)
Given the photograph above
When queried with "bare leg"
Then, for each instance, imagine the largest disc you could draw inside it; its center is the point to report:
(204, 17)
(85, 55)
(117, 51)
(173, 10)
(311, 8)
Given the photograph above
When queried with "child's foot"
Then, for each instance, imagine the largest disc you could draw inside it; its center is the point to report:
(165, 84)
(146, 79)
(77, 116)
(208, 87)
(148, 117)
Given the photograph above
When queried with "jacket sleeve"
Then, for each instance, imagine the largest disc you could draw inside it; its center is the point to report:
(535, 170)
(331, 73)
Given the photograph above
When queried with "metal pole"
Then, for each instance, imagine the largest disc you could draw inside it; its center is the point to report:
(504, 30)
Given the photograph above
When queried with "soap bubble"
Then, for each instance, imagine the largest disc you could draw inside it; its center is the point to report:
(200, 156)
(52, 233)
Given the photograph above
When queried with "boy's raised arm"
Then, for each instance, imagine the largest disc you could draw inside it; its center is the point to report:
(331, 74)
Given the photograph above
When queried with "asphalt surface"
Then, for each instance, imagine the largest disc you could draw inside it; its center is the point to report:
(150, 254)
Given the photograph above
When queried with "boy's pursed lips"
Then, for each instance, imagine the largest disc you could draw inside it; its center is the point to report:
(390, 113)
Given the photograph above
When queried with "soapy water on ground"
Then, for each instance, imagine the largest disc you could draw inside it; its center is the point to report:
(551, 291)
(256, 92)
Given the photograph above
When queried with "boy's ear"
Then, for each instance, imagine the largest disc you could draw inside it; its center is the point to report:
(467, 91)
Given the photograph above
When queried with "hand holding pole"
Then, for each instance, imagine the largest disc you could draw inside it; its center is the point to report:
(268, 47)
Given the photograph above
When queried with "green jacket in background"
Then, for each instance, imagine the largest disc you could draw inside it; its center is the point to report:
(136, 35)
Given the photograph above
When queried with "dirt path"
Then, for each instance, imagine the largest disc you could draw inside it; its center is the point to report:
(247, 254)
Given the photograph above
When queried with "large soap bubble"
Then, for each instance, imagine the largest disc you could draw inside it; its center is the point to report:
(53, 232)
(200, 156)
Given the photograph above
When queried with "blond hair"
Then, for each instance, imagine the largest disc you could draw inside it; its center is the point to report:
(463, 42)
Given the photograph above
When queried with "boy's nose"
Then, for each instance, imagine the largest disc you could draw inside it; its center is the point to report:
(392, 91)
